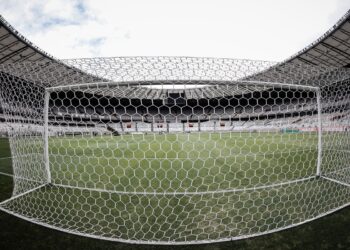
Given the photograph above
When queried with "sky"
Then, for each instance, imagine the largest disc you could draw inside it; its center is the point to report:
(271, 30)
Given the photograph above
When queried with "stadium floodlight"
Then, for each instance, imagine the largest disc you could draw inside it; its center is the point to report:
(166, 150)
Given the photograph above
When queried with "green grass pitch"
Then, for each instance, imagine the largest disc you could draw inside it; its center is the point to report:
(170, 163)
(195, 162)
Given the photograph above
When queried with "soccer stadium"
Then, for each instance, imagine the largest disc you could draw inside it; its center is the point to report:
(175, 150)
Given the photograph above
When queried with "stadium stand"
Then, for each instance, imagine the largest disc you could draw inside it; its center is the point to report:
(331, 49)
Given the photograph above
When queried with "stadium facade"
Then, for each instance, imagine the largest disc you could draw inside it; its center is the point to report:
(109, 148)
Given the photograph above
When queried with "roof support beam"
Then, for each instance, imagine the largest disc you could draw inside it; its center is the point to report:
(9, 46)
(5, 36)
(341, 41)
(305, 60)
(344, 31)
(331, 58)
(25, 57)
(339, 51)
(14, 53)
(321, 61)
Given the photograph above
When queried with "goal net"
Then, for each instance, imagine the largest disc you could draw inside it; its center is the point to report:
(163, 150)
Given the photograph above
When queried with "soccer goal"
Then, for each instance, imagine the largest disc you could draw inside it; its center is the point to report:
(166, 150)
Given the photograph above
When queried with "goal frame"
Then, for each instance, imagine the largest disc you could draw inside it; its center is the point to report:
(49, 90)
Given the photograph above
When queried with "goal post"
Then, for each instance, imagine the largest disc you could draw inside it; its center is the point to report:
(46, 135)
(319, 132)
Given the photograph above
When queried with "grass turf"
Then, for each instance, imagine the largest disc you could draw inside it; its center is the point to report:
(196, 162)
(215, 204)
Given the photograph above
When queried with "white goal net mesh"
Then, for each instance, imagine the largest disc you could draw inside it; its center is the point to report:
(166, 150)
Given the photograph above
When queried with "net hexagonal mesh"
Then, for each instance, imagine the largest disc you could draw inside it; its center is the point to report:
(168, 150)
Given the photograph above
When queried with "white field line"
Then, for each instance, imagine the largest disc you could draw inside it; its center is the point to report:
(336, 171)
(199, 137)
(3, 173)
(22, 156)
(190, 193)
(18, 177)
(336, 181)
(22, 194)
(239, 154)
(6, 174)
(337, 150)
(3, 158)
(197, 142)
(126, 145)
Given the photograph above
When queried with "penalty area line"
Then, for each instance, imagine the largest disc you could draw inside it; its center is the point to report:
(6, 174)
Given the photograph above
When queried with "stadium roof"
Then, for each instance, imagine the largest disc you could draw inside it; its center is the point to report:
(15, 48)
(330, 50)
